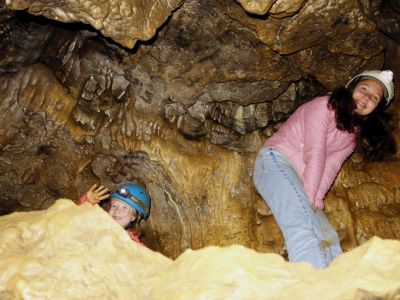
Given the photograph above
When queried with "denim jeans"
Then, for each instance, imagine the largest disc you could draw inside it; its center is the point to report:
(308, 234)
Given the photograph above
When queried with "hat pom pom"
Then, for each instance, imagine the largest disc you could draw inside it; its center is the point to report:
(387, 74)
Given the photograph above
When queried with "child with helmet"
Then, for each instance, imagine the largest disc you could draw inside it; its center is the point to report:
(297, 165)
(129, 204)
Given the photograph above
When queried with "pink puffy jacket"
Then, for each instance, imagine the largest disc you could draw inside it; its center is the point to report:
(314, 145)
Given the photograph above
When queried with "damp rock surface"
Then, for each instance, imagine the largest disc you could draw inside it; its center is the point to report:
(125, 21)
(78, 252)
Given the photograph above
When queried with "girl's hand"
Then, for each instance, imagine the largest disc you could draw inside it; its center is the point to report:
(95, 194)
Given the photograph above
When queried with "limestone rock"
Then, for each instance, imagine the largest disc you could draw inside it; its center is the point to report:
(256, 7)
(277, 8)
(125, 21)
(186, 111)
(72, 252)
(79, 252)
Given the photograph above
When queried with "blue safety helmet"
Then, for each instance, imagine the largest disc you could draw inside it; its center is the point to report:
(135, 196)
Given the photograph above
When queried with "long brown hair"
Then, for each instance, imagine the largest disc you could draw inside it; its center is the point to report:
(134, 226)
(374, 132)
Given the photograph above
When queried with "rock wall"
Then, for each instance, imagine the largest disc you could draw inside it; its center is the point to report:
(182, 103)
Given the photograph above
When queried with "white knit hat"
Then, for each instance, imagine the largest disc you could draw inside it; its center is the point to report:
(384, 77)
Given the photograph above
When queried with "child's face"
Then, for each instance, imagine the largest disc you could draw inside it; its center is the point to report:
(366, 96)
(121, 212)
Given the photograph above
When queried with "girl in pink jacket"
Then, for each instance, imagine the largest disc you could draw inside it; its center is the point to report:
(130, 203)
(297, 165)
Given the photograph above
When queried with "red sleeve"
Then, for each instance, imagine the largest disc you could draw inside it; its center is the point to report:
(82, 199)
(135, 238)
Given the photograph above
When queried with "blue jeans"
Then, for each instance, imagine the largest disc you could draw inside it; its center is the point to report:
(308, 234)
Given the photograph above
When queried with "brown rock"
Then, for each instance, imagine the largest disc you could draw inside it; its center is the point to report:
(125, 21)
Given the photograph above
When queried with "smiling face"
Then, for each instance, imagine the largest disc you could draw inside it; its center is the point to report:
(366, 96)
(121, 212)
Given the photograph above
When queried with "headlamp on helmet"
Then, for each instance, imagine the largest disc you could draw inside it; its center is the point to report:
(135, 196)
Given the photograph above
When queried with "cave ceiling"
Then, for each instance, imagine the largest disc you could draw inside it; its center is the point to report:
(180, 95)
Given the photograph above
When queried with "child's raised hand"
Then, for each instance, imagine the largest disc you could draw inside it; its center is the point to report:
(97, 193)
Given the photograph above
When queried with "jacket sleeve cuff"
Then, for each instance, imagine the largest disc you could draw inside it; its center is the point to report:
(82, 199)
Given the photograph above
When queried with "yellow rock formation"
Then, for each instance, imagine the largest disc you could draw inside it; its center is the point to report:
(78, 252)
